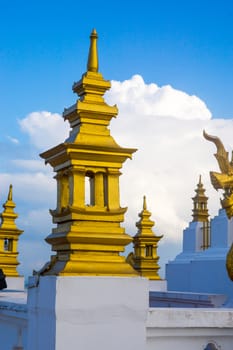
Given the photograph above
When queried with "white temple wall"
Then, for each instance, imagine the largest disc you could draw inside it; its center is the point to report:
(15, 283)
(192, 329)
(203, 271)
(88, 313)
(13, 326)
(92, 326)
(221, 230)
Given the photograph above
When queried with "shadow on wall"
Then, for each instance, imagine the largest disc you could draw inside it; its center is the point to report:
(3, 284)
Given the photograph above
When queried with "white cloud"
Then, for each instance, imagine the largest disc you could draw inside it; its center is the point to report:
(13, 140)
(149, 99)
(30, 188)
(30, 164)
(45, 129)
(166, 126)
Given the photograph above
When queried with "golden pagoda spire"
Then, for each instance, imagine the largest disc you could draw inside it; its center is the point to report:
(92, 64)
(200, 209)
(89, 239)
(200, 213)
(145, 224)
(8, 216)
(9, 234)
(145, 258)
(10, 193)
(144, 203)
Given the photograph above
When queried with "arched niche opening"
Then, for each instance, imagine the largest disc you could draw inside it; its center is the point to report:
(89, 189)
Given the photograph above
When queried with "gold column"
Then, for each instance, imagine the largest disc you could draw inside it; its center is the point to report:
(77, 193)
(113, 188)
(99, 189)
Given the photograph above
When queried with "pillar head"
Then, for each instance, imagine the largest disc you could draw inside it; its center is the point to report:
(93, 64)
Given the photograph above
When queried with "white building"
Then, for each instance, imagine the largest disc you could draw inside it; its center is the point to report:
(201, 266)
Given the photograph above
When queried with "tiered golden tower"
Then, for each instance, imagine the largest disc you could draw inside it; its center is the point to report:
(89, 238)
(9, 235)
(200, 213)
(200, 209)
(145, 258)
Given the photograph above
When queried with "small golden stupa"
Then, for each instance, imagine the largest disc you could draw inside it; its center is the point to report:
(9, 236)
(88, 238)
(145, 258)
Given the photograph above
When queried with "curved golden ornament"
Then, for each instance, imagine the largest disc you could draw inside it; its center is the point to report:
(224, 180)
(229, 263)
(221, 155)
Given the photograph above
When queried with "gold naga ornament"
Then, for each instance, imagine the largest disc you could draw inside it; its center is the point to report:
(224, 181)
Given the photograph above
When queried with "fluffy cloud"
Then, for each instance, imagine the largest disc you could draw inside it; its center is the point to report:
(166, 126)
(45, 129)
(31, 165)
(148, 99)
(32, 189)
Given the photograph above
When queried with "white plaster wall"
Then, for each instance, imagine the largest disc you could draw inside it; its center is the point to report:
(178, 276)
(41, 314)
(221, 230)
(189, 328)
(88, 313)
(107, 313)
(203, 271)
(13, 329)
(15, 283)
(159, 286)
(230, 233)
(205, 275)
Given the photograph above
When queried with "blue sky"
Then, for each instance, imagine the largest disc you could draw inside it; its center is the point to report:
(44, 47)
(183, 43)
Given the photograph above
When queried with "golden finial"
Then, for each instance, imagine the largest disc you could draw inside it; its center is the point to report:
(200, 180)
(10, 193)
(92, 64)
(144, 203)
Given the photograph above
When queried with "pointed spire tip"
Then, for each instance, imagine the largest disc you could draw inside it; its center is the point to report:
(10, 193)
(144, 203)
(92, 64)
